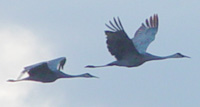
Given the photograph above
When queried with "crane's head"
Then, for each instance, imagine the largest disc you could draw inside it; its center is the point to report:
(87, 75)
(179, 55)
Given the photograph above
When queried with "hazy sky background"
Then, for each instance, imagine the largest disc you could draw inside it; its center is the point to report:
(32, 31)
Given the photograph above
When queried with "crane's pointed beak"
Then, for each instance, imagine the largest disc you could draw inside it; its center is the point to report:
(182, 56)
(95, 77)
(186, 56)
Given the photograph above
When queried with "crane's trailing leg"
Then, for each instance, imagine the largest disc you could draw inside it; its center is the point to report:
(11, 80)
(110, 64)
(92, 66)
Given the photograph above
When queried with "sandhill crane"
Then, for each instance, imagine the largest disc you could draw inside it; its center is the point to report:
(132, 52)
(48, 71)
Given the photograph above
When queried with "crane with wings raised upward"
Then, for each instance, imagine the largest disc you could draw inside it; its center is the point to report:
(132, 52)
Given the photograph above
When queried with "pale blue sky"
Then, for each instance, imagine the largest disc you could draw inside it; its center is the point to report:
(39, 30)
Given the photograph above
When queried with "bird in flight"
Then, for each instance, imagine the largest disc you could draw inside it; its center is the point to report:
(48, 71)
(132, 52)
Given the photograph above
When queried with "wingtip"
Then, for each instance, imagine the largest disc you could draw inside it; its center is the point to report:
(147, 22)
(96, 77)
(108, 32)
(152, 21)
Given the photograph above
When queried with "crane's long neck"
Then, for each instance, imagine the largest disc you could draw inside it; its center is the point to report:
(63, 75)
(149, 57)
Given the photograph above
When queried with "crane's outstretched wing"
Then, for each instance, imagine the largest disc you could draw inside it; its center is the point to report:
(29, 68)
(33, 66)
(51, 66)
(118, 43)
(40, 71)
(146, 34)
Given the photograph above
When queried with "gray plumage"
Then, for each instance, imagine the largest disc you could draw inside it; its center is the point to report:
(48, 71)
(132, 52)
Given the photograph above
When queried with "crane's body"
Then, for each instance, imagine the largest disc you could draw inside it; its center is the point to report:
(48, 71)
(132, 52)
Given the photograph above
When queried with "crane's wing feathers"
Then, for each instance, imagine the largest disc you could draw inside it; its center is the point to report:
(35, 69)
(40, 70)
(146, 34)
(56, 64)
(45, 67)
(118, 43)
(27, 68)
